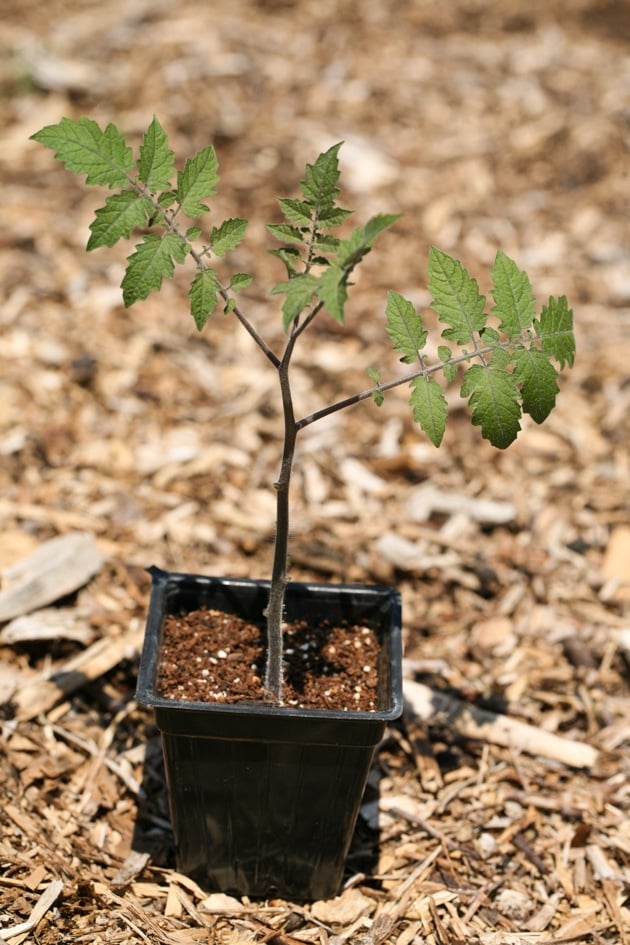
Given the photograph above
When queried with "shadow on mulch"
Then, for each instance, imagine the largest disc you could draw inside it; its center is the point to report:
(152, 832)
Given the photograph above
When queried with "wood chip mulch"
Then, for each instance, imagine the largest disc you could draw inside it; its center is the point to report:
(498, 811)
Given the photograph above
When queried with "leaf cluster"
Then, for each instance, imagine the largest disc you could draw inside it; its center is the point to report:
(507, 370)
(505, 357)
(319, 264)
(152, 196)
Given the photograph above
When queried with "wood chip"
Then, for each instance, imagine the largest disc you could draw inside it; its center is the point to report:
(343, 910)
(428, 499)
(51, 623)
(430, 705)
(57, 568)
(132, 867)
(43, 904)
(40, 695)
(221, 904)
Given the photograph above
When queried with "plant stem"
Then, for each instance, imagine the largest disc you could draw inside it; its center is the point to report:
(279, 575)
(274, 674)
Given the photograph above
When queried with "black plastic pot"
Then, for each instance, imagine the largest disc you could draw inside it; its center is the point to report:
(264, 799)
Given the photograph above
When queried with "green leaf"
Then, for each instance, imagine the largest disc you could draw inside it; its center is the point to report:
(198, 179)
(298, 291)
(450, 370)
(377, 225)
(319, 187)
(555, 330)
(153, 259)
(227, 236)
(362, 238)
(155, 164)
(351, 250)
(331, 217)
(456, 297)
(193, 233)
(512, 292)
(286, 232)
(430, 409)
(85, 149)
(537, 377)
(377, 395)
(296, 211)
(494, 402)
(167, 199)
(240, 280)
(502, 358)
(289, 256)
(333, 291)
(118, 218)
(489, 336)
(404, 327)
(204, 296)
(325, 243)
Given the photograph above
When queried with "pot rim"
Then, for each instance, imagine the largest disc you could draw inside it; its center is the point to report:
(161, 580)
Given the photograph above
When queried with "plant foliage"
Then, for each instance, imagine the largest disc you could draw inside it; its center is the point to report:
(506, 359)
(511, 370)
(507, 367)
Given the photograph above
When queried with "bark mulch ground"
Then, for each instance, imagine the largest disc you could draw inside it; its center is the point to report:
(501, 815)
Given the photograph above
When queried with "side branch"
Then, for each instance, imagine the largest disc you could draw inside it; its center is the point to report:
(245, 322)
(249, 328)
(423, 371)
(299, 327)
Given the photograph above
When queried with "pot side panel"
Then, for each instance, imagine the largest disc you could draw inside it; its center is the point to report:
(278, 818)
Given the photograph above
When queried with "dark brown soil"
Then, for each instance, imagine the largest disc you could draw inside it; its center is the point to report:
(212, 656)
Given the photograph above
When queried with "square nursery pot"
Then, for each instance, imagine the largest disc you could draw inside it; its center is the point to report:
(264, 799)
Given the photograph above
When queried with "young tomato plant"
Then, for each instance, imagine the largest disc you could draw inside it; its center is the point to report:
(507, 366)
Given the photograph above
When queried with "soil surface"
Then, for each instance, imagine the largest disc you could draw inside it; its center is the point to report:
(498, 810)
(211, 656)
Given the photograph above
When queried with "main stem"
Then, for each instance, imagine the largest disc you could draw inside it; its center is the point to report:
(279, 576)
